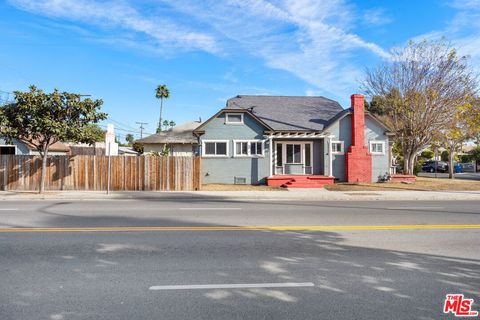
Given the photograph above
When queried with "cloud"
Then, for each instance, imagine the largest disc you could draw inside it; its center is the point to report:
(313, 40)
(465, 4)
(463, 30)
(121, 15)
(376, 17)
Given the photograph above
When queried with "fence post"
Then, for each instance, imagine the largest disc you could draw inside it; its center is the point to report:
(4, 175)
(108, 170)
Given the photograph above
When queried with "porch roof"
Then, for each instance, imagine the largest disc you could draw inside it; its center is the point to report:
(298, 135)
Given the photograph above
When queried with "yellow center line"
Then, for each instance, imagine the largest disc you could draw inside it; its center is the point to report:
(244, 228)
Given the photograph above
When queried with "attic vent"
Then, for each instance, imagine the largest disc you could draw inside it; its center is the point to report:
(240, 180)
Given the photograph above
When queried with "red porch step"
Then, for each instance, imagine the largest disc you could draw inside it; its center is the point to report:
(299, 181)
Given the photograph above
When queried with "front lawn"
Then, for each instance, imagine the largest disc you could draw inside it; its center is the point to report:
(239, 187)
(422, 184)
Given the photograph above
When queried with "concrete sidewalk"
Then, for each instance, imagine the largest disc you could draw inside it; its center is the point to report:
(289, 195)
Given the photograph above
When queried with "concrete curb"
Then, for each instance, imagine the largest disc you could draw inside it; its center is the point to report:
(291, 195)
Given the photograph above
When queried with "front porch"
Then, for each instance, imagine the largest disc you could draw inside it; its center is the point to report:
(299, 181)
(300, 161)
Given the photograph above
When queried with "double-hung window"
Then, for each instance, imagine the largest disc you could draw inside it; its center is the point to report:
(249, 148)
(377, 147)
(215, 148)
(256, 148)
(241, 148)
(337, 147)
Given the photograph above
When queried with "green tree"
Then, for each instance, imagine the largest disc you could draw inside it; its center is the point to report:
(464, 126)
(427, 154)
(138, 147)
(444, 155)
(130, 139)
(42, 119)
(375, 106)
(162, 92)
(94, 131)
(168, 124)
(165, 124)
(476, 153)
(165, 150)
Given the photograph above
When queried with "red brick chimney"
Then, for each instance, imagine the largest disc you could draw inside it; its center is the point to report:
(358, 160)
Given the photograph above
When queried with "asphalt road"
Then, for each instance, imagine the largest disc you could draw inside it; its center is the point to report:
(339, 265)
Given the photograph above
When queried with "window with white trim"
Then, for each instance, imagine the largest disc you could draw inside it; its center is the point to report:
(337, 147)
(234, 118)
(377, 147)
(8, 149)
(249, 148)
(241, 148)
(256, 148)
(218, 148)
(294, 153)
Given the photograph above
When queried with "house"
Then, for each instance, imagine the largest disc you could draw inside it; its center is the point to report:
(97, 149)
(179, 139)
(293, 141)
(18, 147)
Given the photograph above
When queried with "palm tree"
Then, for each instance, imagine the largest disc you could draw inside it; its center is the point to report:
(161, 93)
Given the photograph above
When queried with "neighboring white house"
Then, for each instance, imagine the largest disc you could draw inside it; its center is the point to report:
(179, 139)
(24, 148)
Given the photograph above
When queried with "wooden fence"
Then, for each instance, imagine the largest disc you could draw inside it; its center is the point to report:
(91, 172)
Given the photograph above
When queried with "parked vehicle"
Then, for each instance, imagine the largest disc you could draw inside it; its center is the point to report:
(429, 166)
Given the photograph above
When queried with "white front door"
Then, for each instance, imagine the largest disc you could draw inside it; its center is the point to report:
(294, 157)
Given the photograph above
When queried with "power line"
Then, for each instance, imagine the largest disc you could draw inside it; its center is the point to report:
(121, 124)
(125, 130)
(141, 128)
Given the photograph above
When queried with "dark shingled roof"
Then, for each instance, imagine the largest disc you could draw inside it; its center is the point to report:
(284, 113)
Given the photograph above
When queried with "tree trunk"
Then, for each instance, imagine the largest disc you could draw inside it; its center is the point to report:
(411, 163)
(451, 169)
(161, 110)
(406, 163)
(43, 173)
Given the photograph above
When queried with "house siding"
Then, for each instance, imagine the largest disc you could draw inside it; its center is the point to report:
(225, 169)
(380, 163)
(22, 149)
(342, 130)
(176, 149)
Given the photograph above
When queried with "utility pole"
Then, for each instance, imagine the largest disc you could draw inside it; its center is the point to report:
(141, 128)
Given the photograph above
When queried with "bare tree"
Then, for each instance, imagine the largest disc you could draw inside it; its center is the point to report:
(419, 89)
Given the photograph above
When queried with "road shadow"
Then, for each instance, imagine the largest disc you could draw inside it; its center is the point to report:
(351, 282)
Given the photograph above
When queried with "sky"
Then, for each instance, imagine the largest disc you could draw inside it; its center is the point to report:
(208, 51)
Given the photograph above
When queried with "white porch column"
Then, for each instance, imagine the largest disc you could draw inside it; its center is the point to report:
(270, 144)
(330, 157)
